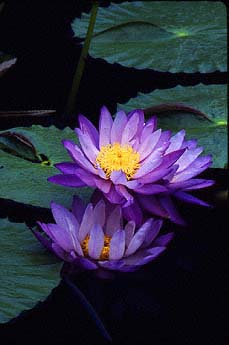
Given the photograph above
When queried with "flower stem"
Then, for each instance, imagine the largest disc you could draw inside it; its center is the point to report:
(82, 60)
(88, 307)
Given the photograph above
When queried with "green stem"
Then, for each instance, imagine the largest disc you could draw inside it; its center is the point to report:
(82, 60)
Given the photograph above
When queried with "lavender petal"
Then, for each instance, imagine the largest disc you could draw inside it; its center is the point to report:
(87, 127)
(117, 245)
(86, 223)
(147, 146)
(152, 234)
(176, 142)
(113, 222)
(78, 156)
(129, 232)
(87, 145)
(99, 213)
(169, 206)
(96, 241)
(190, 199)
(139, 237)
(163, 240)
(117, 127)
(67, 180)
(105, 124)
(78, 208)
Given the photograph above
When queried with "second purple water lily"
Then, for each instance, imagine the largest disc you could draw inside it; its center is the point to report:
(94, 237)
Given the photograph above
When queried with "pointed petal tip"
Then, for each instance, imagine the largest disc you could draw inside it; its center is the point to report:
(104, 109)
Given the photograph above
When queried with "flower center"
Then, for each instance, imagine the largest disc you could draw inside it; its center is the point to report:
(104, 255)
(116, 157)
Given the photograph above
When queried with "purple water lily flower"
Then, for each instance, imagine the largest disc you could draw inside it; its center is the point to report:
(134, 164)
(94, 237)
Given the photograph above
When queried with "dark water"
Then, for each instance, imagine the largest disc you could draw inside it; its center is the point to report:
(181, 298)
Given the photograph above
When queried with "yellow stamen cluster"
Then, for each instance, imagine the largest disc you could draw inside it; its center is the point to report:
(104, 255)
(116, 157)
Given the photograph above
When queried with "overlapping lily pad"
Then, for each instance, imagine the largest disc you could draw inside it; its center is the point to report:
(211, 100)
(173, 36)
(25, 181)
(28, 271)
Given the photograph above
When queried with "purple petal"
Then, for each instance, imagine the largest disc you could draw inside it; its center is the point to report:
(190, 144)
(78, 156)
(150, 163)
(190, 198)
(141, 121)
(163, 240)
(65, 219)
(173, 214)
(111, 265)
(149, 128)
(45, 228)
(199, 165)
(86, 177)
(134, 213)
(87, 145)
(66, 230)
(155, 175)
(61, 237)
(191, 184)
(155, 252)
(151, 189)
(87, 264)
(123, 192)
(162, 170)
(87, 222)
(171, 158)
(152, 205)
(152, 234)
(87, 127)
(119, 177)
(130, 128)
(96, 241)
(67, 167)
(117, 245)
(103, 185)
(114, 197)
(84, 263)
(59, 252)
(164, 139)
(188, 157)
(138, 238)
(118, 126)
(142, 257)
(129, 232)
(176, 141)
(101, 173)
(99, 213)
(44, 240)
(167, 178)
(78, 208)
(67, 180)
(148, 144)
(135, 143)
(105, 125)
(113, 222)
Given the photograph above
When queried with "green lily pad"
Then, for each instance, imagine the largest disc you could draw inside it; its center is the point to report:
(26, 181)
(211, 100)
(28, 271)
(168, 36)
